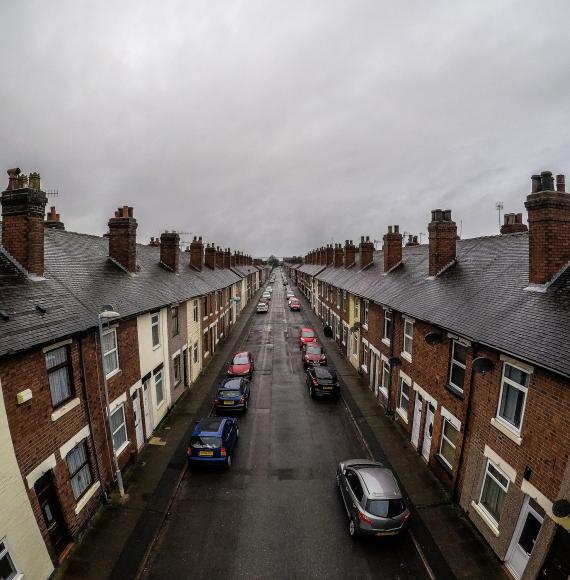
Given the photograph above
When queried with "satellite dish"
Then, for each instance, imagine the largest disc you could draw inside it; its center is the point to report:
(561, 508)
(394, 361)
(433, 338)
(483, 365)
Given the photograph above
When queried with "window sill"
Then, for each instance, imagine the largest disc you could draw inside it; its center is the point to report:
(386, 341)
(365, 326)
(500, 426)
(87, 496)
(403, 415)
(156, 346)
(406, 356)
(61, 411)
(486, 518)
(122, 448)
(364, 368)
(384, 392)
(454, 390)
(113, 373)
(444, 464)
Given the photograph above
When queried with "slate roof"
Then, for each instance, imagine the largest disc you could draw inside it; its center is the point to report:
(246, 270)
(481, 297)
(79, 279)
(310, 269)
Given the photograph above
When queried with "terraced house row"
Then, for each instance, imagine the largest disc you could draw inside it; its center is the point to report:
(99, 336)
(466, 343)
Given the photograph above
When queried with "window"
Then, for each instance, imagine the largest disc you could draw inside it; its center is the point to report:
(344, 300)
(356, 308)
(79, 470)
(458, 358)
(174, 320)
(385, 377)
(59, 375)
(408, 336)
(338, 298)
(448, 442)
(494, 491)
(513, 396)
(365, 312)
(155, 328)
(177, 369)
(344, 334)
(195, 311)
(119, 428)
(195, 353)
(205, 306)
(7, 568)
(404, 397)
(354, 343)
(110, 352)
(159, 387)
(387, 325)
(365, 356)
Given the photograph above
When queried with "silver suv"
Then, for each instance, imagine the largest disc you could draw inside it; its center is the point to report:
(372, 498)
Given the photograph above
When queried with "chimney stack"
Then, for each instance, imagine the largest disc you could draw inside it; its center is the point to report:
(210, 256)
(513, 224)
(329, 255)
(392, 248)
(23, 211)
(338, 256)
(123, 238)
(349, 253)
(442, 240)
(52, 218)
(366, 252)
(412, 241)
(548, 228)
(227, 258)
(219, 257)
(197, 253)
(169, 250)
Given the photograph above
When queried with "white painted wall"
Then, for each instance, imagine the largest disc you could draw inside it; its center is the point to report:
(194, 336)
(18, 527)
(150, 357)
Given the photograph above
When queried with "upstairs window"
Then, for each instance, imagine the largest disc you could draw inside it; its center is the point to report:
(110, 352)
(338, 298)
(79, 470)
(174, 320)
(356, 309)
(387, 325)
(155, 329)
(365, 312)
(59, 375)
(205, 306)
(513, 394)
(195, 311)
(457, 367)
(408, 337)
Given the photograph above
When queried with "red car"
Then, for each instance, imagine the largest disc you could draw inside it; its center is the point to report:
(314, 355)
(294, 304)
(305, 336)
(241, 365)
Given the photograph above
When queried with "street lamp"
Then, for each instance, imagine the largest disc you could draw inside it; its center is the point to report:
(107, 313)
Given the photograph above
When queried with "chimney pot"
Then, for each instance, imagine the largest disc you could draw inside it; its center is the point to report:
(389, 229)
(560, 183)
(546, 181)
(396, 229)
(536, 186)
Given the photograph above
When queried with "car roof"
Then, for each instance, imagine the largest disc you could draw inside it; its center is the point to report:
(380, 482)
(303, 328)
(209, 426)
(231, 383)
(241, 353)
(323, 373)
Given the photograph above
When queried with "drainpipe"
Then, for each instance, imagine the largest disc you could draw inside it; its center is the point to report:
(389, 409)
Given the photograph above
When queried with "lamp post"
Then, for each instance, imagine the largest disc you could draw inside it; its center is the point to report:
(108, 314)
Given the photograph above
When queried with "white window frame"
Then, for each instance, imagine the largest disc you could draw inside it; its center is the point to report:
(338, 298)
(160, 373)
(154, 323)
(354, 344)
(114, 350)
(456, 362)
(125, 443)
(365, 355)
(195, 311)
(365, 313)
(195, 353)
(407, 354)
(452, 424)
(505, 489)
(5, 553)
(403, 411)
(177, 364)
(387, 326)
(87, 463)
(385, 367)
(518, 386)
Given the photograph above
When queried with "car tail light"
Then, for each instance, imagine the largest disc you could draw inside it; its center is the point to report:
(315, 382)
(189, 451)
(216, 401)
(242, 399)
(406, 517)
(223, 452)
(364, 518)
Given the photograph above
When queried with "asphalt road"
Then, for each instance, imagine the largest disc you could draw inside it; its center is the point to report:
(277, 512)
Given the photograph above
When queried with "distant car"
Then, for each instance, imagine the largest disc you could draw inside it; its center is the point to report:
(263, 307)
(295, 304)
(372, 498)
(241, 365)
(322, 382)
(305, 336)
(267, 295)
(313, 354)
(232, 394)
(213, 441)
(290, 294)
(284, 281)
(269, 289)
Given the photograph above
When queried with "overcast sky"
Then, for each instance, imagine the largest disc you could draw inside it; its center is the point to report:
(279, 126)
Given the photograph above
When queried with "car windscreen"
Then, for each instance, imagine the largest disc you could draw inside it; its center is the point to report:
(314, 350)
(324, 374)
(308, 334)
(386, 508)
(241, 359)
(202, 442)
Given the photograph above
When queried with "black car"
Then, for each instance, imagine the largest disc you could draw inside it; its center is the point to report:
(322, 382)
(232, 395)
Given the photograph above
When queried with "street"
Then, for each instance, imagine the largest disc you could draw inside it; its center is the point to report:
(277, 512)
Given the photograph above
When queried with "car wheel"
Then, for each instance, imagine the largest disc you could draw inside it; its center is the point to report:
(337, 481)
(229, 462)
(237, 434)
(352, 529)
(246, 405)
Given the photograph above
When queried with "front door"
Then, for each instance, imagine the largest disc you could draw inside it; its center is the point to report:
(138, 418)
(428, 430)
(417, 420)
(146, 408)
(523, 540)
(51, 511)
(372, 370)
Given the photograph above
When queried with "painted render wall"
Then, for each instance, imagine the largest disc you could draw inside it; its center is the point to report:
(194, 336)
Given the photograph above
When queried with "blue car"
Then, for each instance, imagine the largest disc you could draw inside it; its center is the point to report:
(213, 441)
(232, 394)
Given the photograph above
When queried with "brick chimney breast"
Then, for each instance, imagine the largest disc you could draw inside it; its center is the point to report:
(548, 229)
(338, 256)
(349, 253)
(219, 257)
(53, 220)
(197, 253)
(366, 252)
(23, 211)
(442, 240)
(392, 244)
(227, 258)
(329, 255)
(210, 256)
(123, 238)
(170, 250)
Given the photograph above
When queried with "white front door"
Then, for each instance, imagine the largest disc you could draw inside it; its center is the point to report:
(526, 532)
(146, 407)
(417, 420)
(428, 430)
(138, 418)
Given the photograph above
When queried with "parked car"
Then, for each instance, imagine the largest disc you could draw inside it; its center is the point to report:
(372, 498)
(295, 304)
(241, 365)
(267, 295)
(232, 394)
(322, 382)
(213, 441)
(263, 307)
(290, 294)
(269, 289)
(313, 354)
(305, 336)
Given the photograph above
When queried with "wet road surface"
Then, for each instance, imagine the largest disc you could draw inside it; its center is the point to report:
(277, 512)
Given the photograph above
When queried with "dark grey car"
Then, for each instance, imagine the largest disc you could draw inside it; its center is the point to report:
(372, 498)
